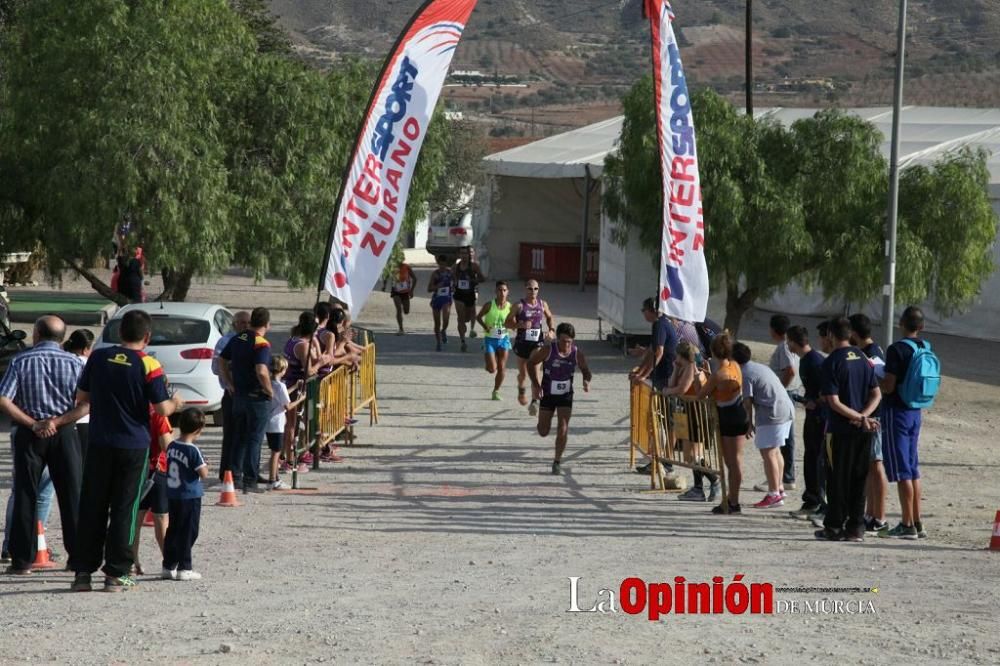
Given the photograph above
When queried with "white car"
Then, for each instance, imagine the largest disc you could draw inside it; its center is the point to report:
(448, 232)
(183, 339)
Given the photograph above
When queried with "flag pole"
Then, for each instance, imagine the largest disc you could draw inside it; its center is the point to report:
(889, 288)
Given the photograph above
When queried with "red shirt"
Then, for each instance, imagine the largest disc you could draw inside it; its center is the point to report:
(158, 425)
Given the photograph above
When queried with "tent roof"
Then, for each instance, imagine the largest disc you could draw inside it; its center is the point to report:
(927, 132)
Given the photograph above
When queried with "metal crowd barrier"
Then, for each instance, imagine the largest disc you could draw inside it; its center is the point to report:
(678, 431)
(363, 385)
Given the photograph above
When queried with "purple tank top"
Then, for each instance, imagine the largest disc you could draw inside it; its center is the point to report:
(323, 335)
(295, 370)
(558, 371)
(533, 314)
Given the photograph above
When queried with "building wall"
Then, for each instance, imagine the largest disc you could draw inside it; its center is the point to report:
(532, 210)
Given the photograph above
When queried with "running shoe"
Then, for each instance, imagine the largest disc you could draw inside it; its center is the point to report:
(854, 537)
(790, 486)
(187, 574)
(14, 571)
(900, 531)
(733, 509)
(533, 408)
(81, 583)
(921, 532)
(693, 494)
(473, 334)
(285, 467)
(331, 457)
(556, 469)
(827, 534)
(444, 337)
(464, 347)
(873, 526)
(769, 502)
(119, 584)
(805, 511)
(350, 421)
(643, 469)
(168, 574)
(761, 487)
(714, 493)
(306, 458)
(302, 468)
(496, 395)
(278, 485)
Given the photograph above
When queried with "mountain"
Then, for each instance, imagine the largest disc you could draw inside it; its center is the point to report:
(573, 58)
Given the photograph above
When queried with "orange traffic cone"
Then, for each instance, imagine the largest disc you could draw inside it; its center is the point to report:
(228, 496)
(995, 539)
(42, 560)
(148, 520)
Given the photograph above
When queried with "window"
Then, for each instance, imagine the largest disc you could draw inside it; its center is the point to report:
(223, 322)
(167, 330)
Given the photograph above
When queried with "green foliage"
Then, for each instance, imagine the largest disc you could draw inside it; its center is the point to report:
(175, 118)
(257, 16)
(807, 203)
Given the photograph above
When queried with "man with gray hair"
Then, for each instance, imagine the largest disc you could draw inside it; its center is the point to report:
(39, 393)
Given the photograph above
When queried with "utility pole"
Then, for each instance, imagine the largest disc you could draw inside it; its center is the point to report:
(749, 57)
(889, 288)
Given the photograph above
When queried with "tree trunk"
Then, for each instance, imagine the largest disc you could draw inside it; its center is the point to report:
(737, 305)
(98, 284)
(176, 284)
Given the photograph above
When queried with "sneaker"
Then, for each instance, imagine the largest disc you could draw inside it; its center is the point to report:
(533, 408)
(444, 337)
(733, 509)
(805, 511)
(556, 468)
(302, 468)
(921, 532)
(496, 395)
(15, 571)
(693, 494)
(81, 583)
(187, 574)
(827, 534)
(761, 487)
(714, 493)
(5, 557)
(464, 346)
(873, 526)
(168, 574)
(348, 421)
(900, 531)
(473, 334)
(854, 537)
(769, 502)
(331, 457)
(790, 486)
(781, 491)
(285, 467)
(306, 458)
(643, 469)
(278, 485)
(120, 584)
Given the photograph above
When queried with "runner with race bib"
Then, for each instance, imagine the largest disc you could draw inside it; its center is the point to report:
(441, 287)
(467, 278)
(527, 317)
(551, 369)
(404, 283)
(496, 345)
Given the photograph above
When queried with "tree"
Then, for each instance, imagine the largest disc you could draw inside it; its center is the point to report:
(214, 151)
(257, 16)
(807, 204)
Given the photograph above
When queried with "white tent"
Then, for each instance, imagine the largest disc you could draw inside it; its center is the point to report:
(531, 202)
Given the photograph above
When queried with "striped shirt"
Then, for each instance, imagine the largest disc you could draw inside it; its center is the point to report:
(42, 381)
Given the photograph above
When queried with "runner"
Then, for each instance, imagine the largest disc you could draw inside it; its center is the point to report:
(554, 384)
(527, 317)
(404, 283)
(442, 287)
(493, 318)
(467, 278)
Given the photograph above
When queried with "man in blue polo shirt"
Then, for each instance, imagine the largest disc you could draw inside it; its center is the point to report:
(119, 383)
(241, 321)
(244, 366)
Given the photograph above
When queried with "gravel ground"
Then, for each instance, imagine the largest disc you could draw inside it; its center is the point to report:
(443, 539)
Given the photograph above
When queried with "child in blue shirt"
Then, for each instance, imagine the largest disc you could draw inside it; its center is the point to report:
(186, 468)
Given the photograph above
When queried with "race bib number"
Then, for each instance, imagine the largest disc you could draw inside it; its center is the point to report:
(444, 291)
(464, 285)
(561, 388)
(533, 334)
(402, 286)
(498, 332)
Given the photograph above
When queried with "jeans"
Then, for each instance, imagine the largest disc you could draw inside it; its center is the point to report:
(251, 422)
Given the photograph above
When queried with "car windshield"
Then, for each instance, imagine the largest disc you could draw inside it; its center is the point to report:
(167, 330)
(450, 219)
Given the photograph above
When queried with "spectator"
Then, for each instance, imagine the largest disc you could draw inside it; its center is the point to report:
(130, 277)
(118, 383)
(688, 379)
(877, 486)
(187, 469)
(658, 359)
(245, 366)
(771, 413)
(725, 386)
(38, 392)
(852, 394)
(901, 425)
(241, 320)
(80, 343)
(785, 365)
(814, 429)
